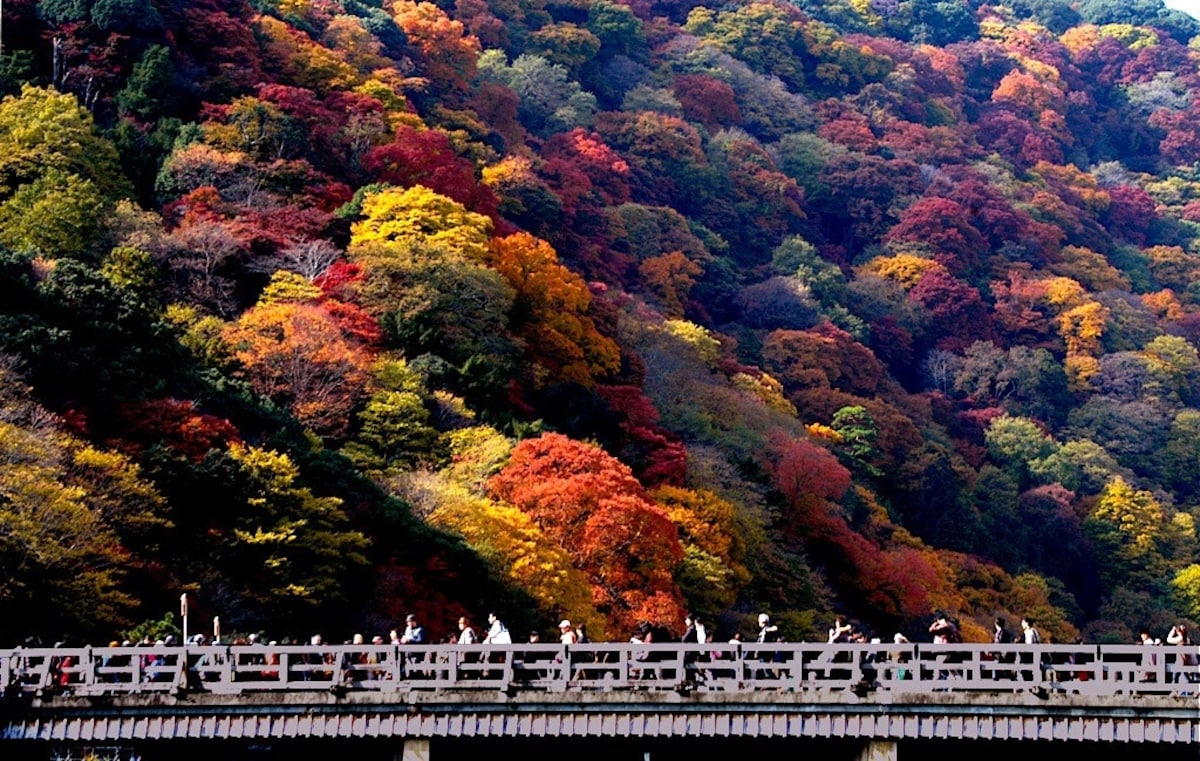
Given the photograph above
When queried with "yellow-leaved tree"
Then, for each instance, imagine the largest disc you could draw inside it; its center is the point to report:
(58, 177)
(1135, 537)
(712, 572)
(506, 537)
(288, 548)
(73, 520)
(516, 546)
(425, 280)
(418, 216)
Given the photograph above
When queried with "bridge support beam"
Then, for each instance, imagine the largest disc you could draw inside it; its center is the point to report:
(414, 750)
(879, 750)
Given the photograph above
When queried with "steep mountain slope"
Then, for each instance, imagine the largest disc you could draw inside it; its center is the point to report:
(328, 311)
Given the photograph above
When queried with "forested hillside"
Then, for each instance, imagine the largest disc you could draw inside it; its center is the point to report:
(325, 311)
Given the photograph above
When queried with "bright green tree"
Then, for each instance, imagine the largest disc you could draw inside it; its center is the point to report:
(1015, 442)
(132, 271)
(55, 215)
(58, 177)
(395, 429)
(857, 443)
(1186, 585)
(42, 129)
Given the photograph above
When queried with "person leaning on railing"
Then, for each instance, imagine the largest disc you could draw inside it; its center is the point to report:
(1002, 636)
(1032, 637)
(1179, 636)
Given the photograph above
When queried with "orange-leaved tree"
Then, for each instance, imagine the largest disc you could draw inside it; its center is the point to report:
(515, 546)
(296, 353)
(590, 503)
(447, 52)
(550, 310)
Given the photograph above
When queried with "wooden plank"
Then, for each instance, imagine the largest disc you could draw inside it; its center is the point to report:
(1137, 731)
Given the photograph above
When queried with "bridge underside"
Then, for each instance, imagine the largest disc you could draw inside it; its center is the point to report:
(201, 717)
(577, 749)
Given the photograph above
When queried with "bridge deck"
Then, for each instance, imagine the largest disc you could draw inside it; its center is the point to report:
(1103, 693)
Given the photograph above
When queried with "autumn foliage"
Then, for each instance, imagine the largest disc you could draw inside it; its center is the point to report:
(333, 311)
(590, 504)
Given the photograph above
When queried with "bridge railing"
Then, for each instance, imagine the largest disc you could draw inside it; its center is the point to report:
(1085, 669)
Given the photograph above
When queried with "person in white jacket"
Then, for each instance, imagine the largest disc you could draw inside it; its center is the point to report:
(497, 632)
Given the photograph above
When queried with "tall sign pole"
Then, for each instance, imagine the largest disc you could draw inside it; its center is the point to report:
(183, 613)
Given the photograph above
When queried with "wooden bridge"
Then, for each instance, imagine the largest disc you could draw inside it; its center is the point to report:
(879, 694)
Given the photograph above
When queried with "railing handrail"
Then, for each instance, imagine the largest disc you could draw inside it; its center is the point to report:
(1088, 669)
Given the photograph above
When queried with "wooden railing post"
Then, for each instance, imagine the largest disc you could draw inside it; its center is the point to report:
(227, 669)
(88, 667)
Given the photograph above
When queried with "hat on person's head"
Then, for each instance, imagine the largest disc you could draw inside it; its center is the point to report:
(411, 617)
(564, 624)
(763, 618)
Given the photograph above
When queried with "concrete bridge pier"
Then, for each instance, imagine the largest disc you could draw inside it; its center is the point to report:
(879, 750)
(415, 749)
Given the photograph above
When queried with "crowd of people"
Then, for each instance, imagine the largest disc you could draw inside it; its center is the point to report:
(943, 629)
(1054, 664)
